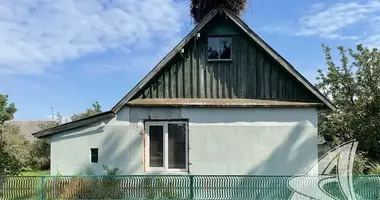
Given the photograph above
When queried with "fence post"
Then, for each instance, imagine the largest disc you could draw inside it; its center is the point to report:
(43, 187)
(191, 187)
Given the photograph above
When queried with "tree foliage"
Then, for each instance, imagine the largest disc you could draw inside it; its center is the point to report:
(9, 165)
(40, 154)
(16, 144)
(6, 110)
(40, 149)
(96, 109)
(353, 86)
(16, 152)
(200, 8)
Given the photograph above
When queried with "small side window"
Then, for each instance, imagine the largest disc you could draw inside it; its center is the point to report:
(94, 155)
(219, 48)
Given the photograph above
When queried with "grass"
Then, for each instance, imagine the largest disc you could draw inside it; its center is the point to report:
(36, 173)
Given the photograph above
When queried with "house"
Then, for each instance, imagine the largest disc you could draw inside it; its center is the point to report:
(221, 102)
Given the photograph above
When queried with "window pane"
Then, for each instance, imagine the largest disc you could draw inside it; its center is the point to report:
(156, 146)
(213, 48)
(94, 159)
(225, 47)
(94, 155)
(177, 146)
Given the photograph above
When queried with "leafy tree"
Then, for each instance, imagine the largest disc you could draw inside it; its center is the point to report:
(6, 111)
(200, 8)
(9, 165)
(16, 144)
(353, 86)
(40, 154)
(40, 149)
(96, 109)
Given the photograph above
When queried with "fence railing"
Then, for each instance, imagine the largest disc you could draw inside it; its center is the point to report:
(172, 187)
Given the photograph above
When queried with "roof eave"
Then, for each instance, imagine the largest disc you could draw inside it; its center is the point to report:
(223, 103)
(72, 125)
(227, 106)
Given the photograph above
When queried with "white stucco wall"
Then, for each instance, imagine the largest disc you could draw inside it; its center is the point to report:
(239, 141)
(119, 142)
(252, 141)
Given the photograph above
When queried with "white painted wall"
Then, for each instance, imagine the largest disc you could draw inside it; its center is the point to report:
(120, 145)
(252, 141)
(265, 141)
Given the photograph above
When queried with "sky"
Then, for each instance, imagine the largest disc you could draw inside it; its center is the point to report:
(66, 54)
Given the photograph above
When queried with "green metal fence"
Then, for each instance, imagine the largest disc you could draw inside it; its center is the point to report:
(171, 187)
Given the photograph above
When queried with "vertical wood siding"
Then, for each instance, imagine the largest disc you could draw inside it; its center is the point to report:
(252, 74)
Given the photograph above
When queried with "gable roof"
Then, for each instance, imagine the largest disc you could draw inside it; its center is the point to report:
(285, 64)
(210, 102)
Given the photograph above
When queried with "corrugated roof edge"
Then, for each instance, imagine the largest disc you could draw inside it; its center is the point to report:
(74, 124)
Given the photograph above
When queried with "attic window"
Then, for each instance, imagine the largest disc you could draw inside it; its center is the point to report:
(219, 48)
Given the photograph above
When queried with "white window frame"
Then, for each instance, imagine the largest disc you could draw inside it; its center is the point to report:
(165, 168)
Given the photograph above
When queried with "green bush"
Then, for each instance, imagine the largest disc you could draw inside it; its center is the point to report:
(15, 144)
(40, 154)
(156, 188)
(374, 168)
(9, 165)
(360, 164)
(90, 187)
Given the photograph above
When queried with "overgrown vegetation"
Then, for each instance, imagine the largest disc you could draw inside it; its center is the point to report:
(16, 144)
(17, 154)
(156, 188)
(40, 154)
(83, 187)
(9, 164)
(353, 86)
(200, 8)
(110, 186)
(35, 173)
(374, 168)
(360, 164)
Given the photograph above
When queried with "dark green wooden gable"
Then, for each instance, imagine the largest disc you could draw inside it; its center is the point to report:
(252, 73)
